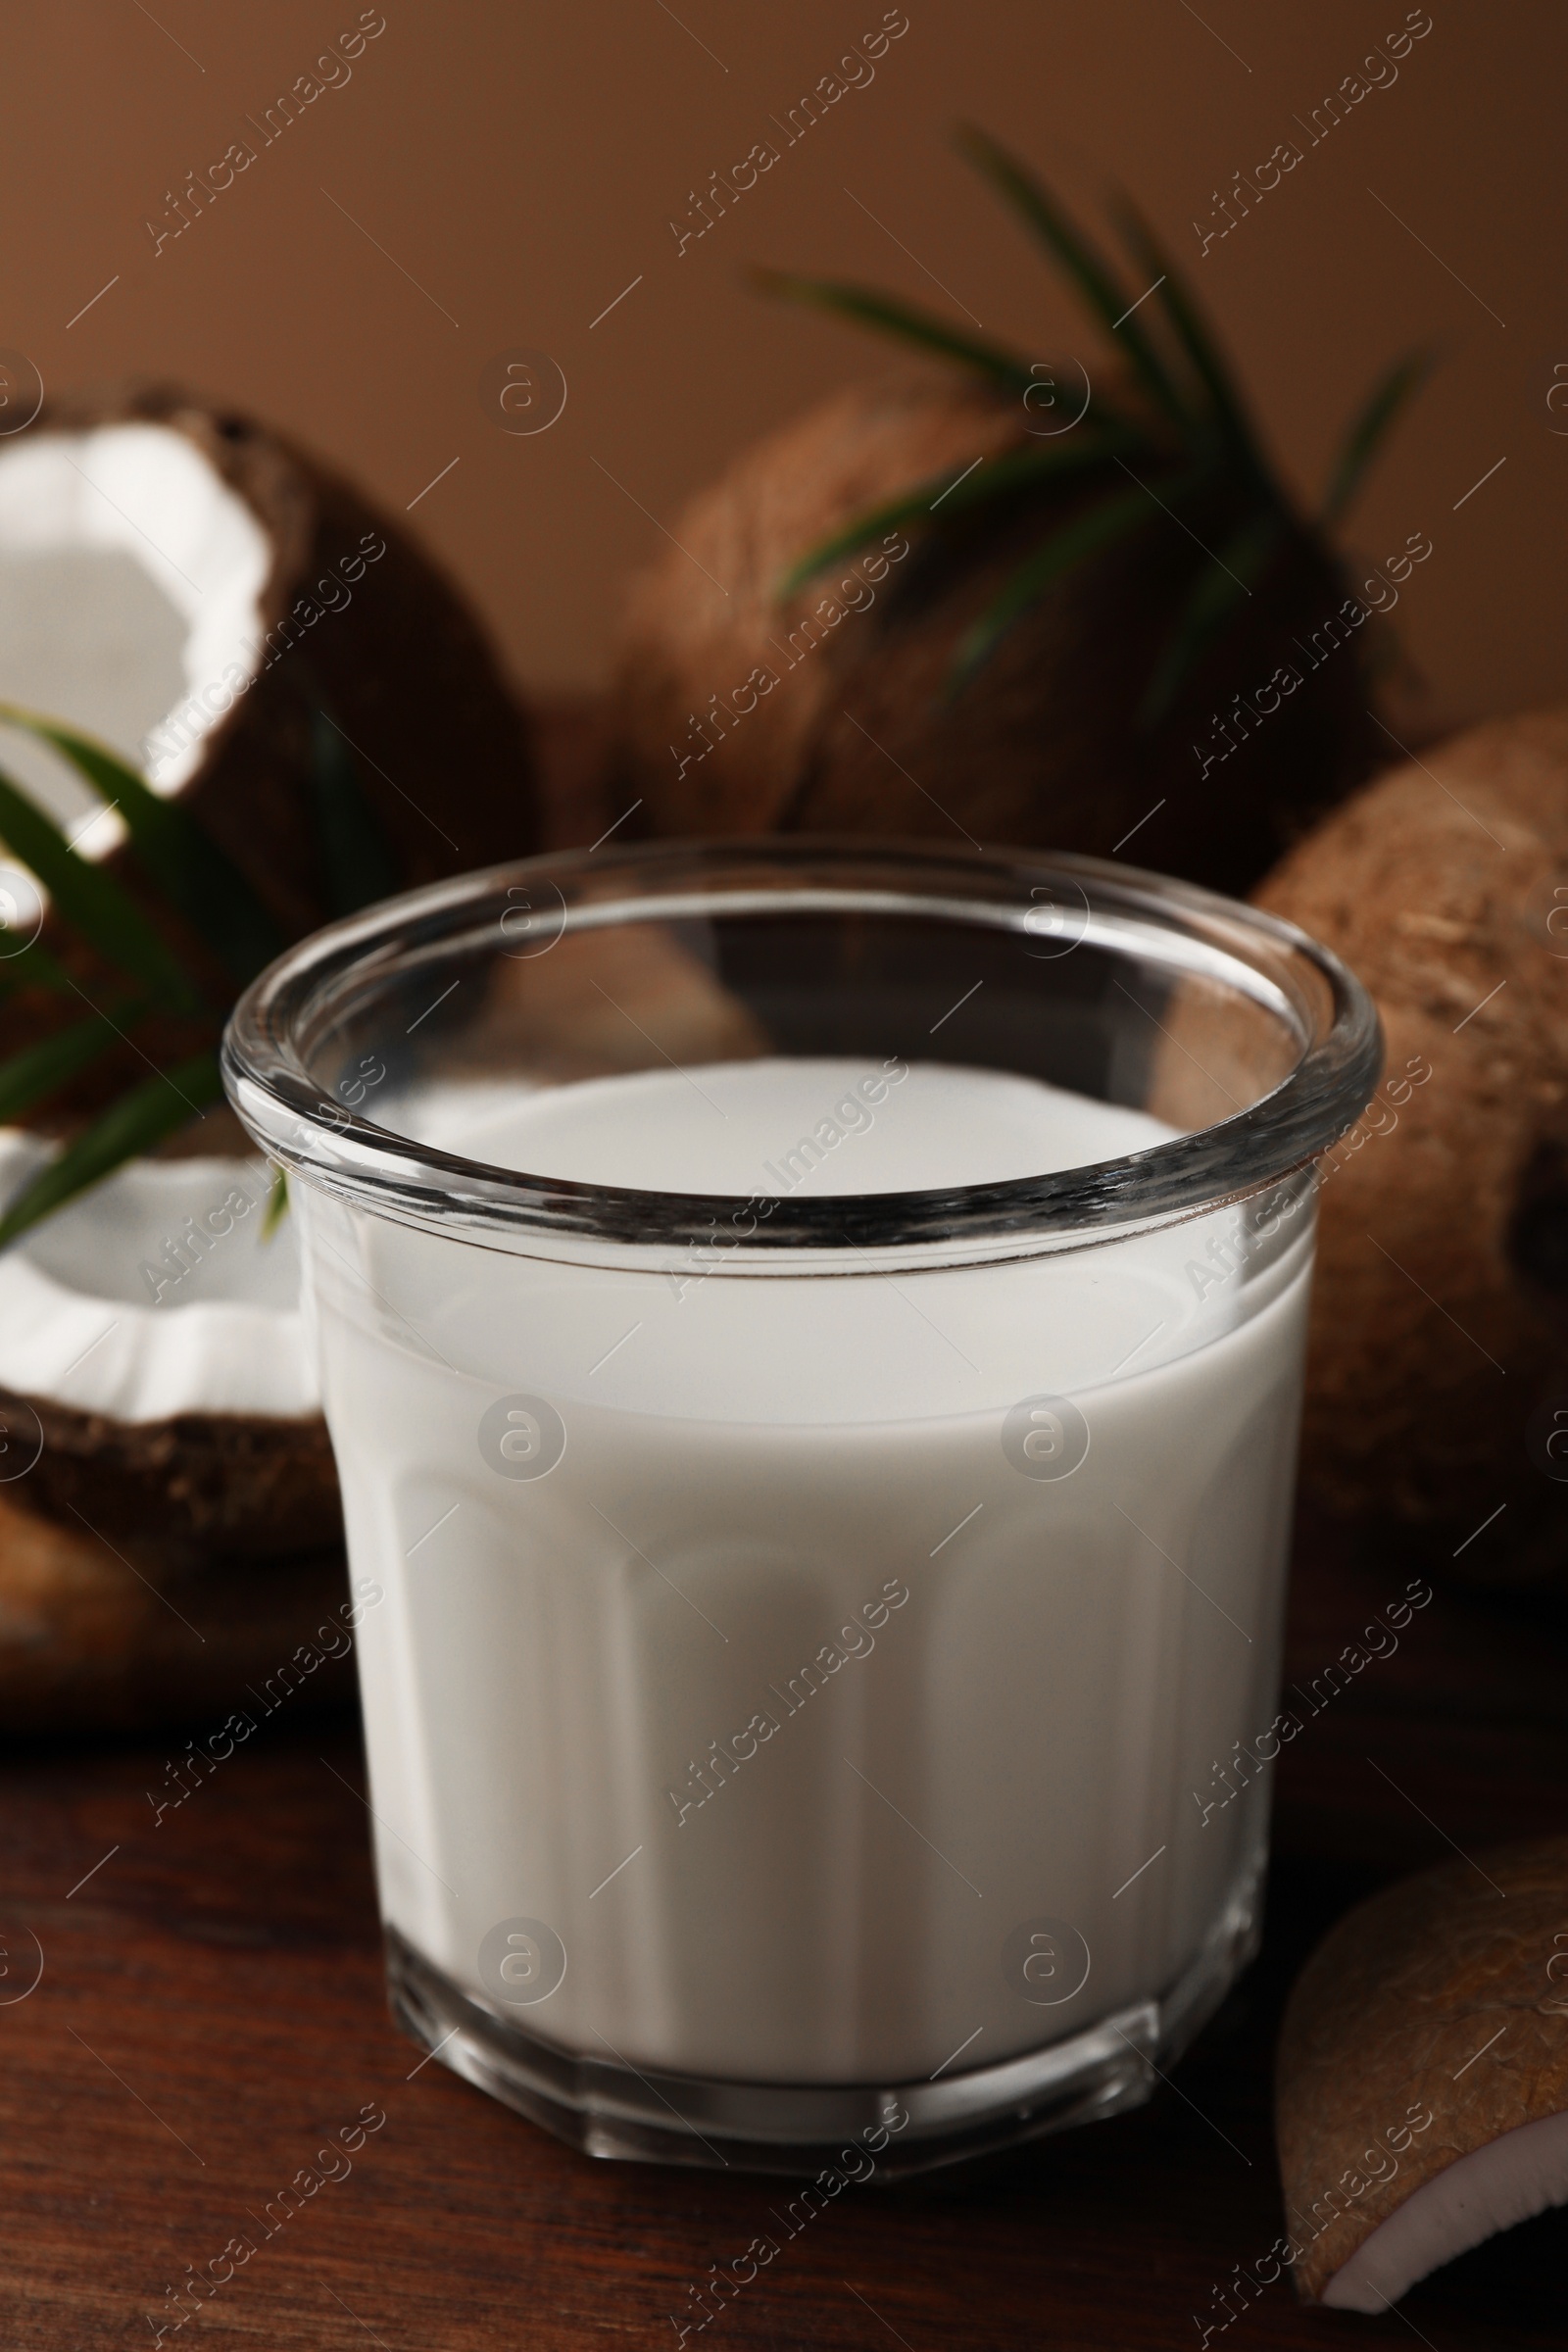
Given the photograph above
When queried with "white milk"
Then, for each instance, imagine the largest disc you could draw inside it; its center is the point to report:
(792, 1699)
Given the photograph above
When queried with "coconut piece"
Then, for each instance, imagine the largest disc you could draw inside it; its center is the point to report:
(602, 996)
(606, 999)
(737, 714)
(95, 1635)
(1443, 1254)
(1422, 2088)
(190, 585)
(262, 584)
(152, 1357)
(1512, 2178)
(182, 582)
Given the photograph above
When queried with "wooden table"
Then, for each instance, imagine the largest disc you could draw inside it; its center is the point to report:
(211, 2012)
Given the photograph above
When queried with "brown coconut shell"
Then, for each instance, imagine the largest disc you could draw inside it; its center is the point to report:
(442, 754)
(406, 669)
(1440, 1317)
(600, 996)
(95, 1635)
(1385, 2022)
(191, 1489)
(856, 733)
(443, 748)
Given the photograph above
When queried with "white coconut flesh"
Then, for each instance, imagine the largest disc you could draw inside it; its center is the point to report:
(130, 586)
(130, 606)
(79, 1321)
(1510, 2180)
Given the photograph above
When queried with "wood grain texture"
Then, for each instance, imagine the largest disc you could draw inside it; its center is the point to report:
(211, 2016)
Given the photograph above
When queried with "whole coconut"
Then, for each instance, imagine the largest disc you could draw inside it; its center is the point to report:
(737, 713)
(1438, 1383)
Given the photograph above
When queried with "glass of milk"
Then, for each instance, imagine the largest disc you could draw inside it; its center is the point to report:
(812, 1333)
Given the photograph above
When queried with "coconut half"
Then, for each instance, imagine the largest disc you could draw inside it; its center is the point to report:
(181, 580)
(1510, 2180)
(1423, 2075)
(170, 1527)
(153, 1366)
(121, 545)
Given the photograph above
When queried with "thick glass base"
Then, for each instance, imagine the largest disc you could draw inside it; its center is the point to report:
(614, 2111)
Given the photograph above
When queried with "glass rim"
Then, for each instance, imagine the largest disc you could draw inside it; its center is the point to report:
(1176, 924)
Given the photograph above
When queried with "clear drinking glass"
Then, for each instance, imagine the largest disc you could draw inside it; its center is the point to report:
(817, 1645)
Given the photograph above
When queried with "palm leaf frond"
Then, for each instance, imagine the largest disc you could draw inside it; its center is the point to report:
(1106, 297)
(35, 1073)
(1016, 473)
(32, 967)
(1369, 426)
(354, 852)
(1180, 307)
(94, 902)
(195, 875)
(276, 1208)
(139, 1120)
(1113, 520)
(890, 317)
(1214, 600)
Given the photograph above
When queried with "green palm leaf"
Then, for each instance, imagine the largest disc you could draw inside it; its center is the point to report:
(1084, 264)
(1212, 602)
(360, 865)
(905, 319)
(137, 1122)
(93, 900)
(1371, 423)
(1017, 473)
(185, 863)
(32, 967)
(28, 1076)
(1101, 528)
(1176, 299)
(276, 1208)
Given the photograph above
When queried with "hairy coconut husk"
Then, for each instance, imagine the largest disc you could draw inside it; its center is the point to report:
(856, 733)
(1443, 1999)
(1439, 1318)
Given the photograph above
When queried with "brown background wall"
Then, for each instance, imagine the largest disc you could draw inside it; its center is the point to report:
(518, 166)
